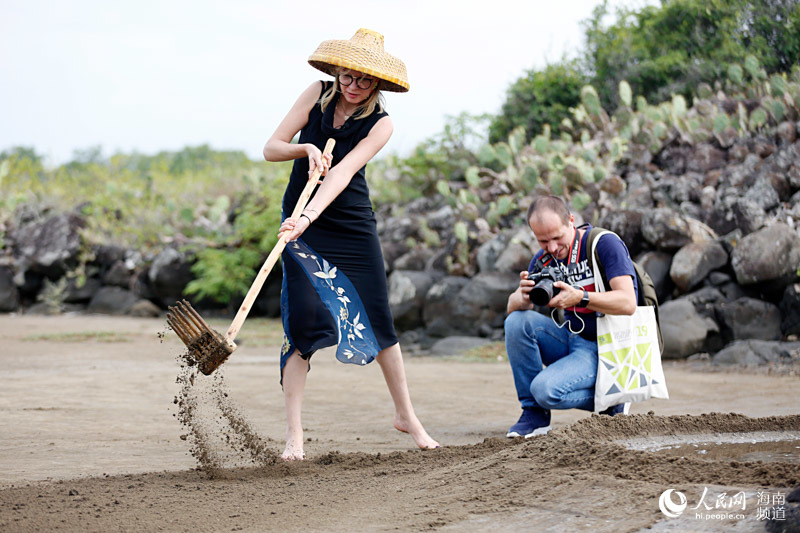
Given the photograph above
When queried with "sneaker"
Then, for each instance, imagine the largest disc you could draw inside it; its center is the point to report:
(619, 409)
(534, 421)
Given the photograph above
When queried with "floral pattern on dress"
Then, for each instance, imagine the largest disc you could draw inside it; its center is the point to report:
(285, 346)
(356, 343)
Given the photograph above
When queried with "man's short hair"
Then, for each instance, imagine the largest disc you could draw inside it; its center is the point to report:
(549, 203)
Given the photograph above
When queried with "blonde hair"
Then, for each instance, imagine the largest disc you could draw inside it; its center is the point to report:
(365, 108)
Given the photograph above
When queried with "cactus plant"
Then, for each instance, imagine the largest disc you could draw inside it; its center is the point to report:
(736, 74)
(720, 122)
(555, 161)
(741, 112)
(678, 105)
(751, 66)
(591, 101)
(465, 196)
(472, 177)
(704, 91)
(500, 208)
(792, 96)
(573, 175)
(512, 176)
(556, 181)
(778, 85)
(501, 177)
(580, 200)
(504, 205)
(654, 113)
(541, 144)
(429, 236)
(516, 139)
(529, 178)
(616, 149)
(487, 155)
(758, 118)
(460, 231)
(624, 116)
(776, 108)
(504, 155)
(625, 94)
(659, 130)
(588, 154)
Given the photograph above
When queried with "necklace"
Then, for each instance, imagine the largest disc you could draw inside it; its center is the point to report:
(345, 114)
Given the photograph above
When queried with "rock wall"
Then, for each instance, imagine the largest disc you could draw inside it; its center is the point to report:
(716, 228)
(48, 269)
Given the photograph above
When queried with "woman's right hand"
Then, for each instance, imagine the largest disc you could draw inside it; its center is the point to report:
(316, 159)
(291, 229)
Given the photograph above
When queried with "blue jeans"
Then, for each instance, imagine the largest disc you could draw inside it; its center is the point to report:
(533, 340)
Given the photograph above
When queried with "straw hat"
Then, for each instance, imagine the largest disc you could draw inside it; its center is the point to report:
(364, 53)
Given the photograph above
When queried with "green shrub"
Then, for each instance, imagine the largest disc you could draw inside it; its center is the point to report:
(538, 98)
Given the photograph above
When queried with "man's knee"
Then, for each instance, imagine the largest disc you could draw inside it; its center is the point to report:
(522, 323)
(544, 392)
(519, 333)
(514, 323)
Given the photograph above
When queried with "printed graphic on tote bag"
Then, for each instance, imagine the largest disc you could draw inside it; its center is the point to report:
(630, 361)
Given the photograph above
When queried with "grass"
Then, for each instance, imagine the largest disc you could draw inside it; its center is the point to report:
(262, 332)
(488, 353)
(80, 336)
(255, 331)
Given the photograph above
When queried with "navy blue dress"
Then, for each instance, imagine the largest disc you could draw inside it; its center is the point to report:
(334, 282)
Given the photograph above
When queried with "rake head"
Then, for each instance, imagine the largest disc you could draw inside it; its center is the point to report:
(206, 347)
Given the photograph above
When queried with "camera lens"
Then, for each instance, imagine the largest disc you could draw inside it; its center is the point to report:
(542, 292)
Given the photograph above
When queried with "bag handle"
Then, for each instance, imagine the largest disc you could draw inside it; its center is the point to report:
(598, 279)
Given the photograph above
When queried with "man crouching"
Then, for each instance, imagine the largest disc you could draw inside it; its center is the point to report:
(555, 365)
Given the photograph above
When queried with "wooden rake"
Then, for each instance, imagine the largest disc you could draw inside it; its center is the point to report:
(208, 348)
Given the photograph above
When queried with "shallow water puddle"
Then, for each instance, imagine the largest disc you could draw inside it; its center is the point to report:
(767, 446)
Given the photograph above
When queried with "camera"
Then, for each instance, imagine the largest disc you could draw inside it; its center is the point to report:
(544, 290)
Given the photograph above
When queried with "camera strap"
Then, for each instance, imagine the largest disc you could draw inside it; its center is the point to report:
(572, 264)
(575, 252)
(575, 249)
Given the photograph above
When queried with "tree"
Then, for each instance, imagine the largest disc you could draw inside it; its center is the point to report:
(539, 98)
(21, 152)
(771, 28)
(670, 49)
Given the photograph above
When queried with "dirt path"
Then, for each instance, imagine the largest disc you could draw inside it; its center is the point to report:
(89, 441)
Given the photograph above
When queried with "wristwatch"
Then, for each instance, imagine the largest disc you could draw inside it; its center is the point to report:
(585, 300)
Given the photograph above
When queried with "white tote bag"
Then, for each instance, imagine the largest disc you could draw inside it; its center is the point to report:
(629, 360)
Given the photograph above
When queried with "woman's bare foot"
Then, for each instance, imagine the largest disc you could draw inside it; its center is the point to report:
(293, 451)
(414, 428)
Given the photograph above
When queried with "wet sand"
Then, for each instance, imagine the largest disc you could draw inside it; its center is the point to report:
(90, 441)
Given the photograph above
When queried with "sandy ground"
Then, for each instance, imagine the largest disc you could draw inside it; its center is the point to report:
(90, 441)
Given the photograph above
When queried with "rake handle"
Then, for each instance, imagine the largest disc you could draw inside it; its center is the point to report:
(273, 256)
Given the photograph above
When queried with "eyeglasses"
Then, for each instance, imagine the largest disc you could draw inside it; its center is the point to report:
(361, 83)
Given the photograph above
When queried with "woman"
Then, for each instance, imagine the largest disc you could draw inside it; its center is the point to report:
(334, 283)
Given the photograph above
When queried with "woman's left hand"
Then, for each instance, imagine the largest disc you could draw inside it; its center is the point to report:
(292, 228)
(318, 160)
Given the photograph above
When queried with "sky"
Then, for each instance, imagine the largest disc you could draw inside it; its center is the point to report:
(153, 75)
